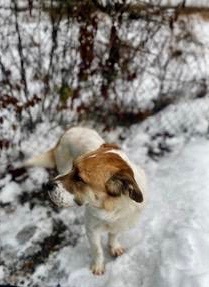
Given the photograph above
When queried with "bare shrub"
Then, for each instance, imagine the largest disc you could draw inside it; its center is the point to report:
(75, 60)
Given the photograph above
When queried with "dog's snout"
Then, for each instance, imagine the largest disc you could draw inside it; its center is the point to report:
(51, 185)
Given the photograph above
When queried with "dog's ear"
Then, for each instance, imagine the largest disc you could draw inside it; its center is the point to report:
(122, 183)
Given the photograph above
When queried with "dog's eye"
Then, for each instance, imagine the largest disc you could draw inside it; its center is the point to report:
(77, 178)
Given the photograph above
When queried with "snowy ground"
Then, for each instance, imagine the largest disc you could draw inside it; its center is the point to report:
(43, 246)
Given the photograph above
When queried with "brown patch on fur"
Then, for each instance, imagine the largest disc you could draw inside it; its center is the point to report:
(97, 167)
(72, 181)
(106, 174)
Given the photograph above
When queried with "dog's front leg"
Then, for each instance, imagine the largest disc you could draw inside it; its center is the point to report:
(97, 265)
(115, 247)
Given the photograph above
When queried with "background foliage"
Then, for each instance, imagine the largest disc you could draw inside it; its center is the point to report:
(113, 63)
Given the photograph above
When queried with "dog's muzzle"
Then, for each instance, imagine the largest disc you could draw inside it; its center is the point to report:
(51, 185)
(59, 195)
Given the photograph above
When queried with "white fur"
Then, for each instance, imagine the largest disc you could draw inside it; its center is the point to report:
(61, 197)
(98, 221)
(75, 142)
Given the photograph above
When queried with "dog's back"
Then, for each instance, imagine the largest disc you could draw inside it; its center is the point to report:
(74, 142)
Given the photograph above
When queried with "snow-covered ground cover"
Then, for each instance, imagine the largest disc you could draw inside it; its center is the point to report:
(44, 246)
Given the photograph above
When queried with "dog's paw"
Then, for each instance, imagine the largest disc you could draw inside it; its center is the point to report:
(117, 251)
(98, 269)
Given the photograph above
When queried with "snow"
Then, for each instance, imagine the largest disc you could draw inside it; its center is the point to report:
(9, 192)
(169, 246)
(173, 246)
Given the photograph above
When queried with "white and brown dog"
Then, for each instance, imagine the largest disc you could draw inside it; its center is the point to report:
(101, 177)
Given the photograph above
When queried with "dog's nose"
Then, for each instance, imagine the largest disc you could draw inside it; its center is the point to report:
(51, 185)
(78, 201)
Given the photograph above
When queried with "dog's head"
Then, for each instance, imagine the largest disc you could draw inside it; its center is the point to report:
(99, 178)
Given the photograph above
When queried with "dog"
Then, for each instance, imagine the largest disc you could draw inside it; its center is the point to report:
(99, 176)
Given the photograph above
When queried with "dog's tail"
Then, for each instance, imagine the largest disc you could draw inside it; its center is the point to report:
(46, 160)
